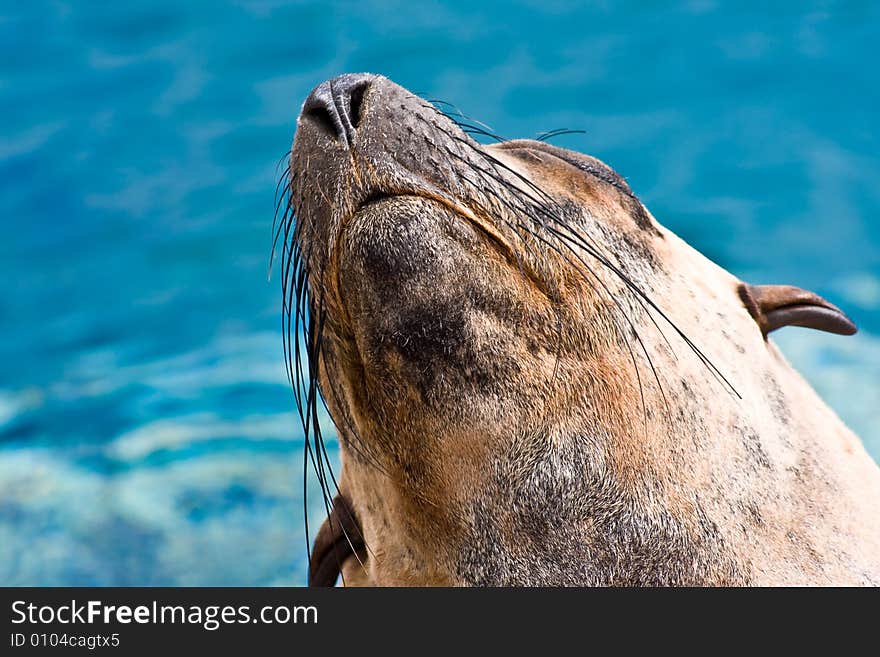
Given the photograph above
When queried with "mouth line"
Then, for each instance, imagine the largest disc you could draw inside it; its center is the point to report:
(377, 196)
(477, 220)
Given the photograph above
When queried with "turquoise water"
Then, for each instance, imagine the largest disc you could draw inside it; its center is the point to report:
(146, 427)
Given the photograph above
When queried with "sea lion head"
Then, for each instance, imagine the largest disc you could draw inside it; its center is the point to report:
(533, 382)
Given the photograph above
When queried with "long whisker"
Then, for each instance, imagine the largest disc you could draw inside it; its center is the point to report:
(558, 132)
(582, 265)
(546, 206)
(579, 238)
(303, 318)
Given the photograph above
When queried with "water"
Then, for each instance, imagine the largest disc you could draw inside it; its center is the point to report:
(146, 428)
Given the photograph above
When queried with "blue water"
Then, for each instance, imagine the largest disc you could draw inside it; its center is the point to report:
(146, 427)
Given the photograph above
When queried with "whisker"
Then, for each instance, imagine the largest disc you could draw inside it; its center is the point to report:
(544, 205)
(558, 132)
(633, 287)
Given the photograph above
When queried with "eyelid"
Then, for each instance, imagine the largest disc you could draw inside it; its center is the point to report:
(598, 170)
(585, 163)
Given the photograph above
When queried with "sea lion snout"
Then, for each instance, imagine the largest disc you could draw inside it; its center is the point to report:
(335, 105)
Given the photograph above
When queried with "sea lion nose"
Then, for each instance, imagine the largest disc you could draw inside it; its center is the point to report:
(335, 105)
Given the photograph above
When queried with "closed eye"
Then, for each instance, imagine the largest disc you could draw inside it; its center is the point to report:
(597, 169)
(585, 163)
(594, 168)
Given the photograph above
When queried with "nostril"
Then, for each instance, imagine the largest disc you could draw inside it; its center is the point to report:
(336, 106)
(356, 99)
(320, 110)
(321, 117)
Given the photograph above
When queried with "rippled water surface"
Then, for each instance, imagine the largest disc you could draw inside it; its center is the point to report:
(146, 427)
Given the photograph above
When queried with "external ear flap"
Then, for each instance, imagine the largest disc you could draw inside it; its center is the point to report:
(775, 306)
(339, 538)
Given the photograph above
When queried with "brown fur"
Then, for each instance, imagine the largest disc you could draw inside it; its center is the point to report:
(497, 381)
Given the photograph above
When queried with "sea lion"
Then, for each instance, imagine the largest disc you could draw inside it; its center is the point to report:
(534, 382)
